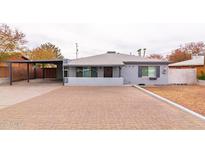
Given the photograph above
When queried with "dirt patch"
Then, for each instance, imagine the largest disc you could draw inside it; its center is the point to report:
(192, 97)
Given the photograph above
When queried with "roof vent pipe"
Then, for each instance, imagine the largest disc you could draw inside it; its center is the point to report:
(111, 52)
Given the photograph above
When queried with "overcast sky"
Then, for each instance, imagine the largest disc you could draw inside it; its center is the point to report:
(124, 38)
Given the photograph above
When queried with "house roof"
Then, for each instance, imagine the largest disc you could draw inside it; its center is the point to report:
(196, 61)
(17, 56)
(111, 59)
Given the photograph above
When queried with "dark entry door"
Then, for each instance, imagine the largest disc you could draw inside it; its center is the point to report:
(107, 72)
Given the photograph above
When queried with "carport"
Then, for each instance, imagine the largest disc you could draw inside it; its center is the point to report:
(58, 63)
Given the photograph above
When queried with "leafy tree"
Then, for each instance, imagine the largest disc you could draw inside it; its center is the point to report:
(156, 56)
(9, 55)
(185, 52)
(11, 39)
(46, 51)
(179, 55)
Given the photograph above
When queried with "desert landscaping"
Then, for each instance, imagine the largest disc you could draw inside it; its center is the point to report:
(192, 96)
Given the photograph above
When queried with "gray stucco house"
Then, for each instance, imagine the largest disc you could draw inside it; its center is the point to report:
(113, 68)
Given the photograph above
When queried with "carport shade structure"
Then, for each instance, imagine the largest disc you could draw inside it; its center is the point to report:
(58, 62)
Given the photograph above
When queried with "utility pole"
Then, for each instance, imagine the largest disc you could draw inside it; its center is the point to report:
(76, 45)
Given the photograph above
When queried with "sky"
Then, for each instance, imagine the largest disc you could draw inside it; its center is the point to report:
(99, 38)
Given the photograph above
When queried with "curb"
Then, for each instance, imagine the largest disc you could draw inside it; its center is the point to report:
(171, 102)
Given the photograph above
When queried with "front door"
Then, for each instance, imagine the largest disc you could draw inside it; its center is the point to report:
(108, 72)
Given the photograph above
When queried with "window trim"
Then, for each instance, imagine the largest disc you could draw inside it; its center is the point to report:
(66, 70)
(156, 74)
(90, 69)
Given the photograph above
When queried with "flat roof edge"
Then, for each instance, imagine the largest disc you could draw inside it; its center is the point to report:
(80, 65)
(148, 62)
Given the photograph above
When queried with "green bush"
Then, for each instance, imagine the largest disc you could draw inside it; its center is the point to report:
(202, 77)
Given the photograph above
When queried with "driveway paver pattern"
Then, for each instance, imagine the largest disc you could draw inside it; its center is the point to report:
(96, 108)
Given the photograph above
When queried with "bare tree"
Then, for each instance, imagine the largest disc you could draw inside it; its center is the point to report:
(156, 56)
(194, 47)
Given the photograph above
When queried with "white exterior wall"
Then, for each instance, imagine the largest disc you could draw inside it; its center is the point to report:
(99, 81)
(130, 75)
(182, 76)
(72, 72)
(115, 72)
(100, 72)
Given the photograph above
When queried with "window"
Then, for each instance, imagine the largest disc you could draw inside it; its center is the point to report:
(149, 71)
(65, 73)
(94, 72)
(152, 71)
(86, 72)
(79, 72)
(145, 71)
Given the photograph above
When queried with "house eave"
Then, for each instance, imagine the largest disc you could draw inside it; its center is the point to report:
(95, 65)
(185, 66)
(148, 62)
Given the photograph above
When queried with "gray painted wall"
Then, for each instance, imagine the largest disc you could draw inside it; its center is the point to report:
(130, 75)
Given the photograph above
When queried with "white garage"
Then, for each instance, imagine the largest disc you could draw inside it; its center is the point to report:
(182, 76)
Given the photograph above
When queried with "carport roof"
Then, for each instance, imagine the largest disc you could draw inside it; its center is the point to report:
(27, 62)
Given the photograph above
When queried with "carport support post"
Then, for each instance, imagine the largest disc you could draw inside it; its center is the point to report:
(10, 73)
(43, 71)
(34, 70)
(63, 73)
(27, 72)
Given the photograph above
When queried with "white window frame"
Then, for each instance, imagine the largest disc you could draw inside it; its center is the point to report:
(148, 76)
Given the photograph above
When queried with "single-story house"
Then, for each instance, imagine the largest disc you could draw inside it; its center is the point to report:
(114, 68)
(196, 62)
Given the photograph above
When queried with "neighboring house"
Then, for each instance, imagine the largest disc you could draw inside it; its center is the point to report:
(114, 68)
(196, 62)
(18, 69)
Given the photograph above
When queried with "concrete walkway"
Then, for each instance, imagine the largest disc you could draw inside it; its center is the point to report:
(21, 91)
(96, 108)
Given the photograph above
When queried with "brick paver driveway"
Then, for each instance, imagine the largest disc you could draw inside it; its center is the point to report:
(96, 108)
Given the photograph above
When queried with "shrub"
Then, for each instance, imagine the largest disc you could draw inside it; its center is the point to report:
(202, 77)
